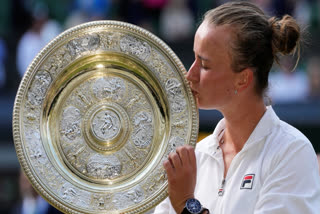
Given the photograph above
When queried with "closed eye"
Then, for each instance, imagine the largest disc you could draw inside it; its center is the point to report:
(204, 67)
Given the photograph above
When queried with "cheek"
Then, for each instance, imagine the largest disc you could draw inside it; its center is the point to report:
(212, 81)
(216, 85)
(229, 91)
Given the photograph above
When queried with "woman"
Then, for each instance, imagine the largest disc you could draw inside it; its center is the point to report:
(253, 162)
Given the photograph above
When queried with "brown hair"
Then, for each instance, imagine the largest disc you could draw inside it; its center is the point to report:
(258, 39)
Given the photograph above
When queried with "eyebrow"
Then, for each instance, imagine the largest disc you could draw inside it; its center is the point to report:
(203, 58)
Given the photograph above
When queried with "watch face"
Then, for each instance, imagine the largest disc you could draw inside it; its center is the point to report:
(193, 206)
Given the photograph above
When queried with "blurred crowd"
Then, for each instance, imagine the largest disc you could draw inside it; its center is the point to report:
(27, 26)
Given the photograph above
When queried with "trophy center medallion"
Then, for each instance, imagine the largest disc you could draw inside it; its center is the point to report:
(105, 125)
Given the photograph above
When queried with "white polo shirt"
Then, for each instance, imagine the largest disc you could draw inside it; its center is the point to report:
(276, 172)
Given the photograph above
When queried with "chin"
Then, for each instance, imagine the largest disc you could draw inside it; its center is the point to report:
(209, 105)
(206, 107)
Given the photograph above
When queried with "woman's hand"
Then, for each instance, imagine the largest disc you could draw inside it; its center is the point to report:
(181, 170)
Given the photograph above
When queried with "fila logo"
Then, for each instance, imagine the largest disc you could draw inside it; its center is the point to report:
(247, 181)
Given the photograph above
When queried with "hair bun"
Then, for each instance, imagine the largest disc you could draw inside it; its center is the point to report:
(285, 35)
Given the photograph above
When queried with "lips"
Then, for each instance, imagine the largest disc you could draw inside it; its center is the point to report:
(194, 92)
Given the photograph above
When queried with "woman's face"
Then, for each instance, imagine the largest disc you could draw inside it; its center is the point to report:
(211, 77)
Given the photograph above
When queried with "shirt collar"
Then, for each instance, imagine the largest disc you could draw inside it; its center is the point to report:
(212, 141)
(268, 121)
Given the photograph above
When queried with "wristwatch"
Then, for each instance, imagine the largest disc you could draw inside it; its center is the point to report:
(193, 206)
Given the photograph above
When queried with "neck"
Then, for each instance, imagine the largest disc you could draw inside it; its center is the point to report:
(241, 120)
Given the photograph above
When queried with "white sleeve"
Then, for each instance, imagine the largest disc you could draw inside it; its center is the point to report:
(292, 185)
(164, 207)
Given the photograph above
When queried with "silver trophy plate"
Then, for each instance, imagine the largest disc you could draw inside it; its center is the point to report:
(96, 114)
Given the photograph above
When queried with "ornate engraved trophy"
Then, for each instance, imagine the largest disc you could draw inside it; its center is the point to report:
(96, 114)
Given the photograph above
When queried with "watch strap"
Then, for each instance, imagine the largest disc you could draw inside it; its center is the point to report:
(186, 211)
(205, 211)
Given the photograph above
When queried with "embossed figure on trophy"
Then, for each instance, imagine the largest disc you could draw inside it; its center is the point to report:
(51, 66)
(36, 153)
(39, 87)
(143, 133)
(32, 114)
(162, 178)
(157, 181)
(53, 179)
(108, 87)
(103, 202)
(157, 64)
(100, 201)
(43, 80)
(83, 99)
(175, 142)
(178, 104)
(31, 118)
(62, 58)
(110, 40)
(35, 150)
(74, 47)
(135, 47)
(86, 43)
(70, 123)
(136, 97)
(152, 186)
(141, 50)
(39, 159)
(180, 123)
(112, 87)
(135, 195)
(173, 87)
(142, 118)
(74, 154)
(72, 195)
(72, 130)
(108, 124)
(69, 194)
(57, 62)
(141, 137)
(133, 160)
(103, 167)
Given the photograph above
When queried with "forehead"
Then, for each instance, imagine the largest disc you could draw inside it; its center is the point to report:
(210, 38)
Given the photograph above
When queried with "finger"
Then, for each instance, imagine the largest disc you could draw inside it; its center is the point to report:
(191, 155)
(183, 154)
(169, 168)
(175, 160)
(170, 160)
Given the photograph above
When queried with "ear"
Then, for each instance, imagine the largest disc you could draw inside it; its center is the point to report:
(244, 79)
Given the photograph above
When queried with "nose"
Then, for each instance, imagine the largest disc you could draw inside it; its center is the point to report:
(193, 73)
